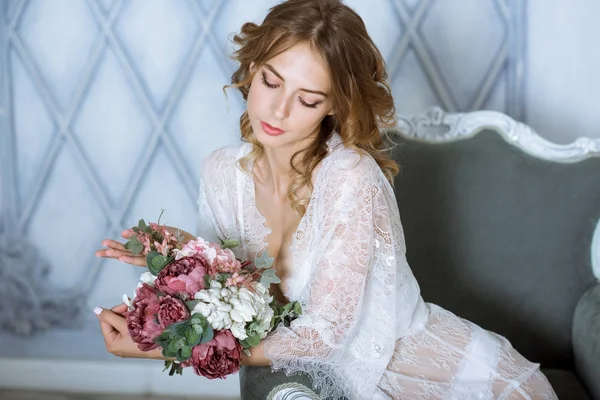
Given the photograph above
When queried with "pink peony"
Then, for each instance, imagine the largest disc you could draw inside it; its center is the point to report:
(141, 321)
(218, 358)
(170, 311)
(182, 276)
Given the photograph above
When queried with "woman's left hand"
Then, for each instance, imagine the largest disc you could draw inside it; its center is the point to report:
(116, 335)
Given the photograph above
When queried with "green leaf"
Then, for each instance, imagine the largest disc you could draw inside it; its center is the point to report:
(253, 340)
(191, 304)
(297, 308)
(269, 277)
(142, 226)
(223, 277)
(208, 335)
(230, 243)
(244, 344)
(134, 245)
(264, 261)
(193, 337)
(156, 262)
(207, 280)
(186, 353)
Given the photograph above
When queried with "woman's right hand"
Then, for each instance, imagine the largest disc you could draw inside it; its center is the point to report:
(117, 251)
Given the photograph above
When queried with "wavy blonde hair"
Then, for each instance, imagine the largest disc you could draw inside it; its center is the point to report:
(362, 98)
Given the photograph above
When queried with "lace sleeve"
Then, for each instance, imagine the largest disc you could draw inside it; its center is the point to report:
(336, 340)
(216, 216)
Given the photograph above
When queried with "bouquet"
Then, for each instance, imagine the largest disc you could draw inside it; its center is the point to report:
(199, 303)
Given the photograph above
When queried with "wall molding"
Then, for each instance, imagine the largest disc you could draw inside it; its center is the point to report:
(460, 126)
(122, 377)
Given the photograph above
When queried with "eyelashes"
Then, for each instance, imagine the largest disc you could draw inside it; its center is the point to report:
(272, 86)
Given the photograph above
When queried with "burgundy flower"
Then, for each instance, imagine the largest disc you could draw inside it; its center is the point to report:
(141, 321)
(218, 358)
(183, 276)
(170, 311)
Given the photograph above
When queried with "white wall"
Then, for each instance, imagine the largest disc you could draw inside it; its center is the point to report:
(563, 64)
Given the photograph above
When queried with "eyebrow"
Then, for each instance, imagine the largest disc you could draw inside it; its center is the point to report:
(270, 68)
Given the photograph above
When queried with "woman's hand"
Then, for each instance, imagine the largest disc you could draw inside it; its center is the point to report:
(116, 335)
(116, 250)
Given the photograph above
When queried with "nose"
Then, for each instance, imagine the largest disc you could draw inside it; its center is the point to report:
(281, 107)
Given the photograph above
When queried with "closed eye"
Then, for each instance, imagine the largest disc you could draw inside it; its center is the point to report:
(267, 83)
(274, 86)
(309, 105)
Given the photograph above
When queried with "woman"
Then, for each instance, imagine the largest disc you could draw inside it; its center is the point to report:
(311, 187)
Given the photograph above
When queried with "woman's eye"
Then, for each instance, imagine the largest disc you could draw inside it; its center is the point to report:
(309, 105)
(266, 83)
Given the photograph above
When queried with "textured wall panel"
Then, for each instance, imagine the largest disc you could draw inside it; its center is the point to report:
(115, 103)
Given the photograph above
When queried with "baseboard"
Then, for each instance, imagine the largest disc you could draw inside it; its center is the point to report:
(139, 377)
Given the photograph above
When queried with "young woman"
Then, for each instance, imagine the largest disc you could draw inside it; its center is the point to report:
(310, 186)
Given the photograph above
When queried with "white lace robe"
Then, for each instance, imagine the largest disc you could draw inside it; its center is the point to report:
(365, 332)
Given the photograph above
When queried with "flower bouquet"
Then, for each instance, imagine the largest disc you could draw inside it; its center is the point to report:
(199, 303)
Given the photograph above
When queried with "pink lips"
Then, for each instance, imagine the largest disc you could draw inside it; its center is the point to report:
(270, 130)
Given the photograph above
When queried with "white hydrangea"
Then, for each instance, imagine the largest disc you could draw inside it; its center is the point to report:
(145, 277)
(234, 308)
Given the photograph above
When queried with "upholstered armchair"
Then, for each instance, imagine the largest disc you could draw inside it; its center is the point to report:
(502, 228)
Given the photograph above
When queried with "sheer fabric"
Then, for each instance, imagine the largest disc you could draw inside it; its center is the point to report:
(365, 332)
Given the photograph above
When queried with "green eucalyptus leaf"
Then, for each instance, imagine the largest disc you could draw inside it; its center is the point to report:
(134, 245)
(253, 340)
(191, 304)
(192, 337)
(208, 335)
(297, 308)
(186, 353)
(156, 262)
(207, 280)
(142, 226)
(230, 243)
(269, 276)
(264, 261)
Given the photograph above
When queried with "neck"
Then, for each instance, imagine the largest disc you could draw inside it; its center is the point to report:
(274, 168)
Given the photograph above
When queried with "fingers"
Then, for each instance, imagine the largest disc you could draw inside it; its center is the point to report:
(120, 309)
(127, 233)
(113, 244)
(140, 261)
(112, 320)
(112, 253)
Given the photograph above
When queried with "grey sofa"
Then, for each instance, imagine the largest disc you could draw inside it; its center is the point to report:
(499, 229)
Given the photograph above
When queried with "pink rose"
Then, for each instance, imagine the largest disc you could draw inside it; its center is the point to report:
(182, 276)
(218, 358)
(141, 321)
(170, 311)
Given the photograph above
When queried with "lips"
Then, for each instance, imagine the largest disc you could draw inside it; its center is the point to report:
(270, 129)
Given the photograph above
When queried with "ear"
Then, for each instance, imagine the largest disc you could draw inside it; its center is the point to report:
(252, 67)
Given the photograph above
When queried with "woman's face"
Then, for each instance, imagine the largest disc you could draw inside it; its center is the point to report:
(288, 98)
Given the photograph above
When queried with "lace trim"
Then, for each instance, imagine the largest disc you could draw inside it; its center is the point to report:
(257, 230)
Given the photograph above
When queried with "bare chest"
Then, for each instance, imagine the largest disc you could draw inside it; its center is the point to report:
(283, 222)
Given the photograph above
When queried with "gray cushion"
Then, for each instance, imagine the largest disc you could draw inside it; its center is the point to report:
(500, 237)
(566, 384)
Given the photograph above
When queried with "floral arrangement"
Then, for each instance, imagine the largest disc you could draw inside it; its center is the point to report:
(199, 303)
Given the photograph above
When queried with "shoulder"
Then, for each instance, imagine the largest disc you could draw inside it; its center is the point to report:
(222, 162)
(351, 167)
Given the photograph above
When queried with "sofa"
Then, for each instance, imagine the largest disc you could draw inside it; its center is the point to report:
(502, 228)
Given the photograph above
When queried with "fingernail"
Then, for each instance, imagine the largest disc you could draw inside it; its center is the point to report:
(97, 310)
